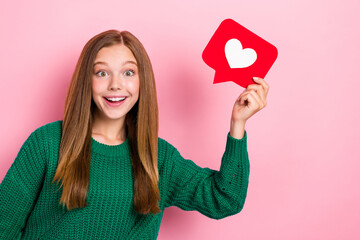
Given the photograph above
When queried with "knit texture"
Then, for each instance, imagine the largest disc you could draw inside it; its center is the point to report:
(29, 203)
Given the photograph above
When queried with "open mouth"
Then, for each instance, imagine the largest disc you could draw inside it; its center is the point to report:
(115, 100)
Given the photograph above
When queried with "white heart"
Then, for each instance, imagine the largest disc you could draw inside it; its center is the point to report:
(238, 57)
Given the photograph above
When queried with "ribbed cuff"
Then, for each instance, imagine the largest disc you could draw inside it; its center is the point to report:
(232, 144)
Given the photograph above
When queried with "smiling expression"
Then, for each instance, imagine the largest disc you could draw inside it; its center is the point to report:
(115, 77)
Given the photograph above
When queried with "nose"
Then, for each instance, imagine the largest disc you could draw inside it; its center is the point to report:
(116, 82)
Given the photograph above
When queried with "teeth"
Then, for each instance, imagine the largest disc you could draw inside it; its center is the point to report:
(115, 99)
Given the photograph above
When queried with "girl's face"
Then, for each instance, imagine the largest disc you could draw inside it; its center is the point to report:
(115, 81)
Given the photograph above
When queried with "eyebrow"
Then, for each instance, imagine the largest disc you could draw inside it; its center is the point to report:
(104, 63)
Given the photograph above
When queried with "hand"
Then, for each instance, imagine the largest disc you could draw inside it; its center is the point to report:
(250, 101)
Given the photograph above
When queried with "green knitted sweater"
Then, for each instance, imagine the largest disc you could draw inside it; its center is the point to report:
(29, 203)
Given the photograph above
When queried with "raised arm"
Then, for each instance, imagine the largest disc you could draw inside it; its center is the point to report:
(216, 194)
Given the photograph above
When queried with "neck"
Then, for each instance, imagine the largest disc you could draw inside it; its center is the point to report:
(112, 129)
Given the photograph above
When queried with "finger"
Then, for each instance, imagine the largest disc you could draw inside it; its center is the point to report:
(263, 83)
(242, 94)
(246, 92)
(253, 103)
(242, 99)
(257, 98)
(259, 89)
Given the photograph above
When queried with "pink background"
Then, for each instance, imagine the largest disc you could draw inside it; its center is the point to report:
(303, 147)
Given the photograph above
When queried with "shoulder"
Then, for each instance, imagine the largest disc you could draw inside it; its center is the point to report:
(166, 153)
(48, 133)
(36, 149)
(54, 126)
(164, 147)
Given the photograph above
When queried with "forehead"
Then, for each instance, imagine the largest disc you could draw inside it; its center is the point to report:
(116, 54)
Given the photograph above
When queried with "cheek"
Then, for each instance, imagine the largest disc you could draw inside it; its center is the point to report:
(134, 86)
(96, 87)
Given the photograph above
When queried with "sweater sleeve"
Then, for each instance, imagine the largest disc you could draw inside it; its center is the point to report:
(20, 187)
(216, 194)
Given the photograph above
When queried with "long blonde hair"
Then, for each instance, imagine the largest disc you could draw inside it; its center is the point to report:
(73, 168)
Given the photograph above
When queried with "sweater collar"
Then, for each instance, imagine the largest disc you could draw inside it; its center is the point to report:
(110, 150)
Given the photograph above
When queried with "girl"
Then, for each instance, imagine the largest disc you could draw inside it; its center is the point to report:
(102, 172)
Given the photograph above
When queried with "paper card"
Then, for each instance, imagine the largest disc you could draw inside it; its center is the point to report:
(237, 54)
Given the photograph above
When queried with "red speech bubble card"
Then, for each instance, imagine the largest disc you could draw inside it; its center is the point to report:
(237, 54)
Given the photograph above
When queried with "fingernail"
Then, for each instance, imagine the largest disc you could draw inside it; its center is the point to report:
(256, 78)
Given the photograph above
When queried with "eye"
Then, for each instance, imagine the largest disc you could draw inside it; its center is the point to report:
(129, 73)
(101, 74)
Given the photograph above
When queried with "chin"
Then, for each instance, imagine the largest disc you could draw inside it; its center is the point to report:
(115, 117)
